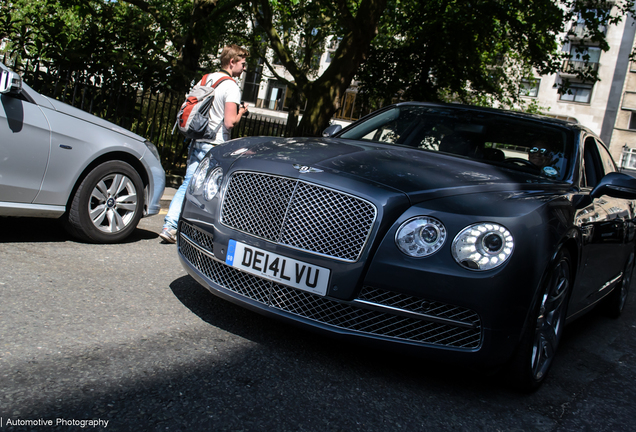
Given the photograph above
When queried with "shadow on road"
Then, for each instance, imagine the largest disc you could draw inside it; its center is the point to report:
(243, 371)
(35, 230)
(284, 335)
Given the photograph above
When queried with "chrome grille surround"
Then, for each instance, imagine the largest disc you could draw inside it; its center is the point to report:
(298, 214)
(392, 315)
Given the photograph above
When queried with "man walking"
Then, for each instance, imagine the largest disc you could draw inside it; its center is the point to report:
(225, 113)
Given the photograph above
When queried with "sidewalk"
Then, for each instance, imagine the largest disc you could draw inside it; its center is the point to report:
(168, 193)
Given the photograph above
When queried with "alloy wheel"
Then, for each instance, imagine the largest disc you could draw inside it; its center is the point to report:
(113, 203)
(550, 320)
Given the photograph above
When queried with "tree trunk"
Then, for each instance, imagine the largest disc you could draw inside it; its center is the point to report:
(324, 94)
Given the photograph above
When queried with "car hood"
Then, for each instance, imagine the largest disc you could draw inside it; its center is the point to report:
(82, 115)
(418, 174)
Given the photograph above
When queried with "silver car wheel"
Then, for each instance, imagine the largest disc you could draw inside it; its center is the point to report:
(113, 203)
(107, 205)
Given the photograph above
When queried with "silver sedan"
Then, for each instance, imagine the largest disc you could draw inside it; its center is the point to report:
(57, 161)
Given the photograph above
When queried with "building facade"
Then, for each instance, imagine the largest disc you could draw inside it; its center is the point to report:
(608, 106)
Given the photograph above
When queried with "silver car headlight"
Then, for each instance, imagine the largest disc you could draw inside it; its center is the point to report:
(483, 246)
(421, 236)
(153, 149)
(199, 175)
(213, 183)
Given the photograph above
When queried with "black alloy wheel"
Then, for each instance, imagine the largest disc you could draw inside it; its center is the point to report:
(614, 303)
(537, 349)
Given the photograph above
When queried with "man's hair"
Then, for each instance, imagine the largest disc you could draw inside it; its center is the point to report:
(232, 52)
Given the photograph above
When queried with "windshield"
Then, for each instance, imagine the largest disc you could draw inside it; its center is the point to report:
(482, 135)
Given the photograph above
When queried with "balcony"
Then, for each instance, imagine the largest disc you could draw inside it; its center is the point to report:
(572, 67)
(580, 31)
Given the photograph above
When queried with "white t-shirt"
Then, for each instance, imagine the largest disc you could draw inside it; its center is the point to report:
(227, 91)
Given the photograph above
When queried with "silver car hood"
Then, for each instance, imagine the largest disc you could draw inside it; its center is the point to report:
(78, 113)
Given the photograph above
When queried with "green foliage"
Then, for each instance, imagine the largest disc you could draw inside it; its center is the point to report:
(479, 51)
(107, 57)
(464, 51)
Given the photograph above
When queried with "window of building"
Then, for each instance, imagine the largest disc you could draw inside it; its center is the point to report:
(275, 95)
(578, 93)
(628, 159)
(585, 53)
(582, 59)
(530, 88)
(579, 28)
(632, 121)
(252, 82)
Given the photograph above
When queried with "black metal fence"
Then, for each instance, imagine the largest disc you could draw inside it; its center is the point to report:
(148, 112)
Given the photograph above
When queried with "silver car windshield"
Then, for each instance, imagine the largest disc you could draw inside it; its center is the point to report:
(517, 143)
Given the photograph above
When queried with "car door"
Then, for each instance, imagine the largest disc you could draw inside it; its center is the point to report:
(25, 142)
(606, 226)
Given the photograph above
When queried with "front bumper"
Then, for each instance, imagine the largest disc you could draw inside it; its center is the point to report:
(375, 315)
(155, 189)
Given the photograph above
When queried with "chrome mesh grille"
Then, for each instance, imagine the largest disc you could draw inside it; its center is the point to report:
(199, 237)
(298, 214)
(343, 314)
(418, 305)
(256, 204)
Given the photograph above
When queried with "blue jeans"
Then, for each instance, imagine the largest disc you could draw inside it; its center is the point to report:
(197, 152)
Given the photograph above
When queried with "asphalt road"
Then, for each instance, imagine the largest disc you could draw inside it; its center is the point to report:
(120, 334)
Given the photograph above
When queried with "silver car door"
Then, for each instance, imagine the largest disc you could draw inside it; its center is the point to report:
(25, 143)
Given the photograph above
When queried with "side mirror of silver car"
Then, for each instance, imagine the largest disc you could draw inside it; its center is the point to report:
(10, 82)
(331, 130)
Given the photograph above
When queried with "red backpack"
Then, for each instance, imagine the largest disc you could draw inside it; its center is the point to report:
(193, 116)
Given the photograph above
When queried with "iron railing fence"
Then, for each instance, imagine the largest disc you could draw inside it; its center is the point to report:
(143, 110)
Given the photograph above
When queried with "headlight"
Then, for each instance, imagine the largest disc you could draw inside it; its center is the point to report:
(212, 183)
(483, 246)
(199, 175)
(153, 149)
(421, 236)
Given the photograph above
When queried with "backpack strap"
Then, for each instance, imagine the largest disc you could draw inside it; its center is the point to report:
(204, 79)
(220, 80)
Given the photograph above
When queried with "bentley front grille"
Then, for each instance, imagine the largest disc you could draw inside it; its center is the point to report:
(298, 214)
(375, 312)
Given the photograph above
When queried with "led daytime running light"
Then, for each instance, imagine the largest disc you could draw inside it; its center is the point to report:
(483, 246)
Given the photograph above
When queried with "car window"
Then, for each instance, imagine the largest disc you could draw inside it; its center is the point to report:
(514, 142)
(592, 166)
(606, 159)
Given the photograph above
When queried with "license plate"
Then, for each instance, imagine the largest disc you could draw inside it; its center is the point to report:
(278, 268)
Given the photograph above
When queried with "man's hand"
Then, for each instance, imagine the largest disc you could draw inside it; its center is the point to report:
(244, 108)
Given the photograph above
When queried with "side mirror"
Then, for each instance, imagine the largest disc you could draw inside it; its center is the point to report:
(616, 185)
(331, 130)
(10, 82)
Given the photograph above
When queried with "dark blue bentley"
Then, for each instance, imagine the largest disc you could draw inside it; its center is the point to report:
(466, 233)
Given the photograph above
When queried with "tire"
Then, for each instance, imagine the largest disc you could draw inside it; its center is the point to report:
(107, 205)
(534, 356)
(614, 303)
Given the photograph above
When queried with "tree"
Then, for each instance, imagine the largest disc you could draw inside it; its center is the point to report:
(163, 44)
(475, 51)
(479, 51)
(196, 30)
(297, 30)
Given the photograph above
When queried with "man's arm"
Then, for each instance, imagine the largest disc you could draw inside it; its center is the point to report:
(232, 115)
